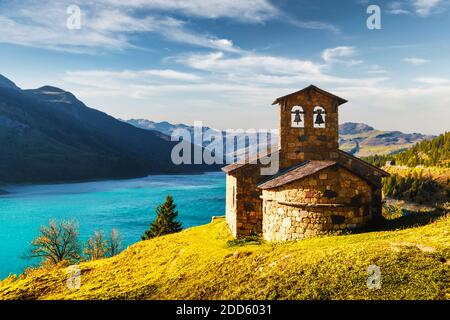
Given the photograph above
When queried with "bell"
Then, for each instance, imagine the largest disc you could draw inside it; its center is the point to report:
(297, 118)
(319, 119)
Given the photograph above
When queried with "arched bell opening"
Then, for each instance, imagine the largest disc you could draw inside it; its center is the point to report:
(297, 117)
(319, 117)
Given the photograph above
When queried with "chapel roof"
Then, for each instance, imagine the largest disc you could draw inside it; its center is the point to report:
(310, 88)
(295, 173)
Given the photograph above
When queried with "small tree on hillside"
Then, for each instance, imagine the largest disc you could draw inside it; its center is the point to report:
(114, 244)
(96, 246)
(165, 222)
(99, 247)
(56, 242)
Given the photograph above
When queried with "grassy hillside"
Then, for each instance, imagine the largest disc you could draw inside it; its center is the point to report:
(199, 263)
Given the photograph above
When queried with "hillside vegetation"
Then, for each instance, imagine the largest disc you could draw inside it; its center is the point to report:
(428, 153)
(362, 140)
(420, 174)
(201, 263)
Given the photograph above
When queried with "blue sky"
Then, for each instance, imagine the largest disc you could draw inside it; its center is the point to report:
(223, 61)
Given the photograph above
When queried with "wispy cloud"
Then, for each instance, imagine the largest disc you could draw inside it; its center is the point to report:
(247, 11)
(416, 61)
(397, 8)
(376, 69)
(313, 25)
(218, 84)
(426, 7)
(149, 75)
(421, 8)
(434, 81)
(102, 27)
(114, 24)
(217, 73)
(250, 63)
(342, 55)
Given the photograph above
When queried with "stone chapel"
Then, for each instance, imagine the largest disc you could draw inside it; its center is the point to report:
(318, 187)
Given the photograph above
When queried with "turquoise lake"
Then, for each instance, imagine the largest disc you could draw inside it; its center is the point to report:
(126, 205)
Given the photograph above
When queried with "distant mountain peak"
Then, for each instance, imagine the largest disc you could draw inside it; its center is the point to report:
(6, 83)
(55, 94)
(50, 89)
(354, 128)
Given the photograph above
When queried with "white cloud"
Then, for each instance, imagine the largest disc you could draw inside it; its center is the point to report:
(342, 55)
(249, 63)
(313, 25)
(425, 7)
(421, 8)
(248, 10)
(433, 81)
(395, 108)
(376, 69)
(217, 97)
(222, 83)
(102, 27)
(113, 24)
(247, 75)
(115, 79)
(397, 8)
(416, 61)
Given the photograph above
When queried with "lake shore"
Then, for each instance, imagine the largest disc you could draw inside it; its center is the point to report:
(126, 205)
(68, 182)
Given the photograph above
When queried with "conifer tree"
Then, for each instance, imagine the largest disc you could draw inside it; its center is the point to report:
(166, 220)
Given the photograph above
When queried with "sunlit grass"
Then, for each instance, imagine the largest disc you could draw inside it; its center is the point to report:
(200, 263)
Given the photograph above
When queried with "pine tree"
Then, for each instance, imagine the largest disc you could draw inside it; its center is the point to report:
(165, 222)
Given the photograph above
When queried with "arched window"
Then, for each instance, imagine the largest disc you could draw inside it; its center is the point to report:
(319, 117)
(297, 117)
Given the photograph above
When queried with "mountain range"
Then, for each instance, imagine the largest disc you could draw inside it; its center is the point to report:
(48, 135)
(363, 140)
(358, 139)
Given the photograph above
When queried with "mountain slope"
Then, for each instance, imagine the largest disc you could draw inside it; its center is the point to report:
(197, 263)
(47, 134)
(362, 140)
(358, 139)
(429, 153)
(241, 142)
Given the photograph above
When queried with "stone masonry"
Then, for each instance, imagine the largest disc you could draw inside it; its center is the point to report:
(319, 188)
(332, 199)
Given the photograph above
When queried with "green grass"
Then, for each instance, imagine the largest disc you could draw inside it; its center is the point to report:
(202, 263)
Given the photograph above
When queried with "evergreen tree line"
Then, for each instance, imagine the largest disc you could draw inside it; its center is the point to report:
(413, 187)
(434, 152)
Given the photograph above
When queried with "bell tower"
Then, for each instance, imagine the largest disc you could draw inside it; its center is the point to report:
(309, 126)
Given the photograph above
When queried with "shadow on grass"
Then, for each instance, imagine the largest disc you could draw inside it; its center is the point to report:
(408, 219)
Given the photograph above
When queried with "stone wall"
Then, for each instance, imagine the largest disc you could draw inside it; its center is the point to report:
(332, 199)
(230, 203)
(244, 216)
(249, 202)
